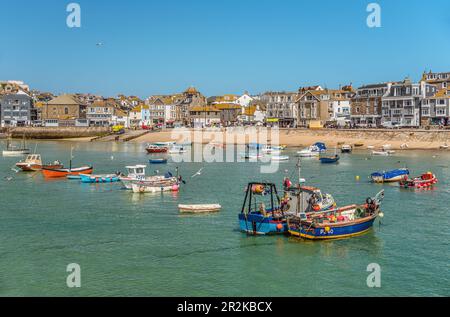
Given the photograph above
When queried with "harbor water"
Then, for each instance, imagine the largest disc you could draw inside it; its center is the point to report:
(140, 245)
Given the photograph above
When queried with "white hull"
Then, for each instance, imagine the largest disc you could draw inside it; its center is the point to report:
(142, 188)
(199, 208)
(307, 154)
(15, 153)
(280, 158)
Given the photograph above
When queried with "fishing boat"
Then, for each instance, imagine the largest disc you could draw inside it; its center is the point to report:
(424, 181)
(337, 223)
(107, 178)
(165, 184)
(444, 146)
(390, 176)
(12, 150)
(158, 161)
(64, 172)
(346, 148)
(258, 219)
(33, 163)
(329, 160)
(202, 208)
(273, 150)
(152, 148)
(136, 174)
(358, 144)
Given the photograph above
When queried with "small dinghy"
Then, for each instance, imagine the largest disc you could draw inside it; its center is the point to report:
(329, 160)
(444, 147)
(202, 208)
(383, 153)
(158, 161)
(424, 181)
(92, 179)
(390, 176)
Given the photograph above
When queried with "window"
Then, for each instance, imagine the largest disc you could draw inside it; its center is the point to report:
(66, 110)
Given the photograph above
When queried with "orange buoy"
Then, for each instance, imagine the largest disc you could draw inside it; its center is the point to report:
(279, 226)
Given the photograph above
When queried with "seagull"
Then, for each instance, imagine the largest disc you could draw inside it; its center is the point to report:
(198, 173)
(8, 178)
(112, 158)
(99, 44)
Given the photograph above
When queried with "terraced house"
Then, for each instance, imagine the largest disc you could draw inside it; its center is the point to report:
(401, 105)
(313, 106)
(100, 112)
(440, 80)
(16, 109)
(188, 99)
(436, 108)
(366, 110)
(281, 108)
(162, 109)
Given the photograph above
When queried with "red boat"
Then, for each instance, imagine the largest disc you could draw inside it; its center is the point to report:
(156, 149)
(64, 172)
(426, 180)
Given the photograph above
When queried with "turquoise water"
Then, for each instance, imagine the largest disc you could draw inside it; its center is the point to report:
(130, 244)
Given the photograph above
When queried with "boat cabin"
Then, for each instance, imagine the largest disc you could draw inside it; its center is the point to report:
(34, 158)
(136, 171)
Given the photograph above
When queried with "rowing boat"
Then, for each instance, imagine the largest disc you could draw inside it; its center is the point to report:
(201, 208)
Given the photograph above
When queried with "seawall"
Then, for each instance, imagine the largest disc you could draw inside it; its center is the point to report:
(57, 132)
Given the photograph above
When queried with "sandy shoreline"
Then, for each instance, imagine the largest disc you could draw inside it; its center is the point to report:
(415, 140)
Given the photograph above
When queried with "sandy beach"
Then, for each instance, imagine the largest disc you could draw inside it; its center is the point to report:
(398, 139)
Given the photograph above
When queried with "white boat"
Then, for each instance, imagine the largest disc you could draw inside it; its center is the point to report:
(136, 173)
(346, 148)
(12, 150)
(308, 153)
(202, 208)
(280, 158)
(383, 153)
(444, 146)
(386, 147)
(370, 147)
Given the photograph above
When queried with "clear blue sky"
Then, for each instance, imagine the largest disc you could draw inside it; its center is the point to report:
(219, 46)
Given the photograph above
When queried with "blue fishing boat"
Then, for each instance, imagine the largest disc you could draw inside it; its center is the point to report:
(337, 223)
(110, 178)
(320, 146)
(390, 176)
(329, 160)
(158, 161)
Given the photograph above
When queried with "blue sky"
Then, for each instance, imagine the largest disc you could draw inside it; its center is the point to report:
(219, 46)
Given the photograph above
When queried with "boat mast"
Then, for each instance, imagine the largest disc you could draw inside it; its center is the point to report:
(299, 198)
(71, 157)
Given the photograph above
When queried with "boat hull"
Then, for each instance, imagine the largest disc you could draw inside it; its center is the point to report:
(59, 173)
(156, 150)
(257, 224)
(143, 188)
(333, 231)
(15, 153)
(93, 179)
